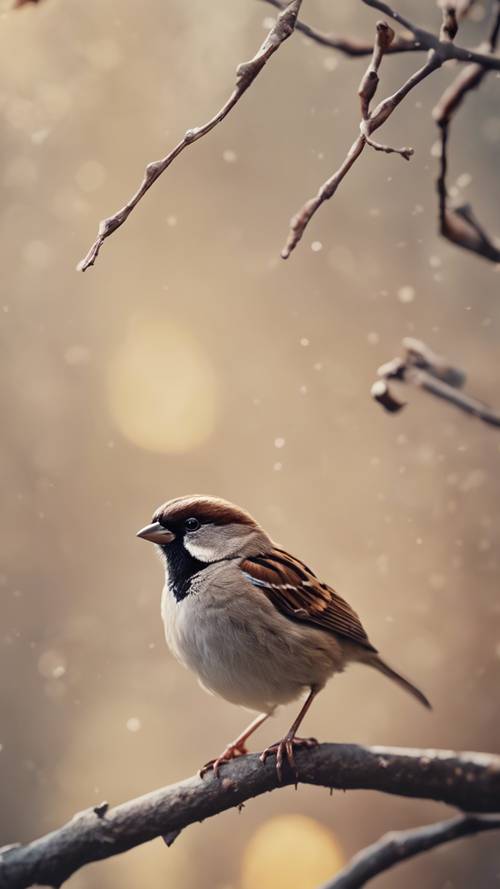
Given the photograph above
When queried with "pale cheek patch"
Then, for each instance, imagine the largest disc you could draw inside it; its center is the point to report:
(200, 552)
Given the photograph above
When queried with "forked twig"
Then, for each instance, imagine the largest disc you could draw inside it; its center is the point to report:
(351, 46)
(421, 367)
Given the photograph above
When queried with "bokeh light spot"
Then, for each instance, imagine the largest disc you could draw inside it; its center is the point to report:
(162, 389)
(290, 852)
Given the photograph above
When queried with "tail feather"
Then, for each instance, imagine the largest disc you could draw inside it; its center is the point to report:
(384, 668)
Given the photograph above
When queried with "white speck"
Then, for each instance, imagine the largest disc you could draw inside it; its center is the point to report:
(303, 390)
(172, 221)
(318, 366)
(464, 180)
(436, 149)
(435, 262)
(52, 664)
(373, 338)
(268, 22)
(406, 294)
(229, 156)
(39, 136)
(134, 724)
(279, 442)
(330, 63)
(418, 208)
(316, 246)
(304, 341)
(473, 480)
(278, 467)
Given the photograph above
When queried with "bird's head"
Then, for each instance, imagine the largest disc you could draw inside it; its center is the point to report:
(206, 528)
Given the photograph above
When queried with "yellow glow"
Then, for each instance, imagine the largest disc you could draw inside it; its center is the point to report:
(162, 388)
(290, 852)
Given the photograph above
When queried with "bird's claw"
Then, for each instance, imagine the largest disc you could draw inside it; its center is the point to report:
(232, 751)
(284, 751)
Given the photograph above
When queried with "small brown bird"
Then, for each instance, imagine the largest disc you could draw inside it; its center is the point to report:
(251, 621)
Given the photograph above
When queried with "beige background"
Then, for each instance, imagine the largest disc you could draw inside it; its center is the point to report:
(181, 363)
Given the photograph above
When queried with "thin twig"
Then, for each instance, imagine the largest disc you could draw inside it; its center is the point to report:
(245, 75)
(351, 46)
(470, 781)
(421, 368)
(371, 122)
(399, 845)
(457, 223)
(445, 48)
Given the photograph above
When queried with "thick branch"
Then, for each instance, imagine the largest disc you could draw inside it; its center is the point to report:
(421, 368)
(470, 781)
(245, 74)
(399, 845)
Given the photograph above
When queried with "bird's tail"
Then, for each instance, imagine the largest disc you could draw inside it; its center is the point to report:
(380, 665)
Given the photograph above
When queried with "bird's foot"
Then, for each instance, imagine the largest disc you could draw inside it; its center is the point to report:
(284, 751)
(232, 751)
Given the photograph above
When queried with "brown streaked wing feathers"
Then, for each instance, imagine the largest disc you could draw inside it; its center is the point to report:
(298, 594)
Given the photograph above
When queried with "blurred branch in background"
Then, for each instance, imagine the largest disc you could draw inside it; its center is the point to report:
(399, 845)
(245, 76)
(469, 781)
(440, 49)
(458, 224)
(422, 368)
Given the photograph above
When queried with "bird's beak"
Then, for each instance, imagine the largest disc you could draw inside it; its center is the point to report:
(156, 533)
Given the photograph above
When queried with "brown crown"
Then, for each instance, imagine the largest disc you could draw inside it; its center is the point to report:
(206, 509)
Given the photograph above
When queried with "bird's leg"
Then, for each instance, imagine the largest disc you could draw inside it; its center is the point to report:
(236, 748)
(284, 748)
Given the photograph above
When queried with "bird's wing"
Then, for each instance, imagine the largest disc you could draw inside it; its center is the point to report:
(298, 594)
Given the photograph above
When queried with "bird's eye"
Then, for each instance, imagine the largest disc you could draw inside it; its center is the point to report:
(191, 524)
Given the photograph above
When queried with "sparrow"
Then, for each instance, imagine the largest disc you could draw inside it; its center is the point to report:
(253, 622)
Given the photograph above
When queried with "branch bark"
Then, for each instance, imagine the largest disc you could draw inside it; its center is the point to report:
(399, 845)
(351, 46)
(470, 781)
(421, 367)
(440, 49)
(457, 222)
(245, 76)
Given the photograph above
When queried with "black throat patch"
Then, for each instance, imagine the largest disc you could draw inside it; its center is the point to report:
(182, 567)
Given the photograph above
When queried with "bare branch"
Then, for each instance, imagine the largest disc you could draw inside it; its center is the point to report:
(457, 223)
(461, 226)
(420, 367)
(445, 48)
(371, 122)
(351, 46)
(470, 781)
(399, 845)
(245, 75)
